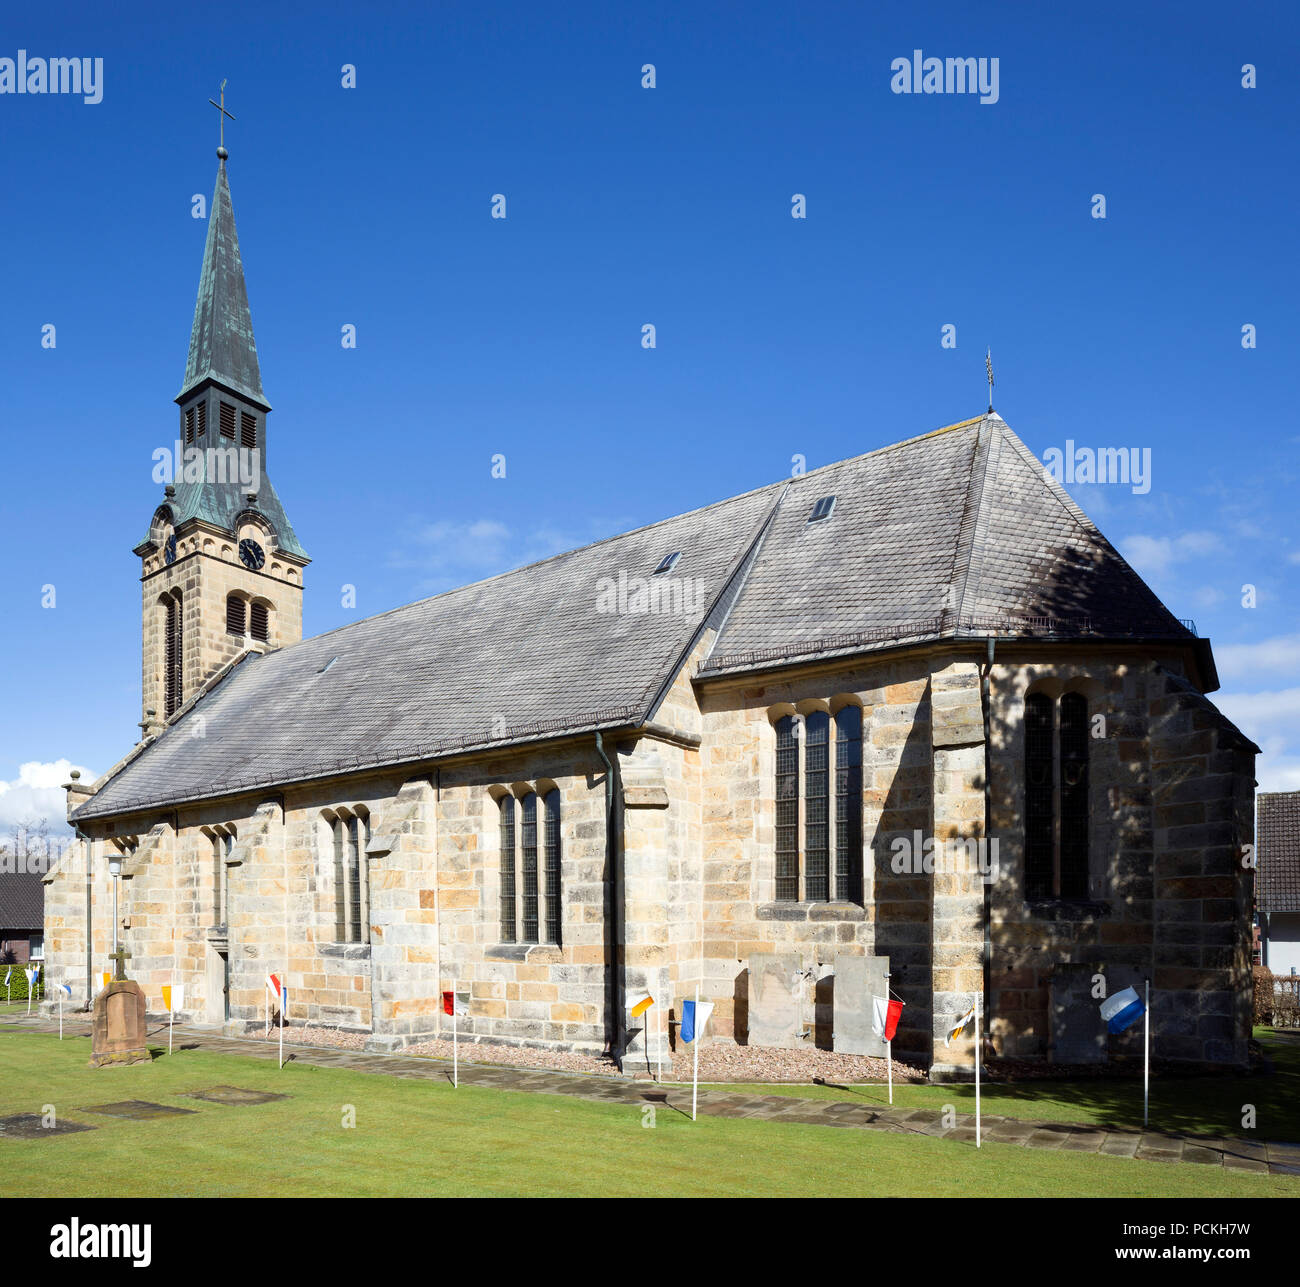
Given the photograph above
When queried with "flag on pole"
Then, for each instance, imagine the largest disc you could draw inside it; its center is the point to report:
(276, 989)
(64, 990)
(695, 1015)
(108, 977)
(955, 1031)
(8, 972)
(1122, 1010)
(33, 973)
(452, 1004)
(885, 1016)
(641, 1005)
(173, 997)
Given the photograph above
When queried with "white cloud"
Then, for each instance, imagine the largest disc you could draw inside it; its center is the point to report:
(1152, 555)
(1293, 557)
(1280, 654)
(36, 794)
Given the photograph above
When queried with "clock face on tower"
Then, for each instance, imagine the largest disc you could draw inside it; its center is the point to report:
(169, 549)
(251, 554)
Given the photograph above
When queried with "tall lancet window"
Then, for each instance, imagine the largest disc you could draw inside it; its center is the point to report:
(531, 905)
(1056, 797)
(351, 834)
(818, 799)
(173, 653)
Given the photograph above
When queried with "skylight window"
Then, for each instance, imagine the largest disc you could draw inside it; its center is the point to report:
(822, 510)
(668, 562)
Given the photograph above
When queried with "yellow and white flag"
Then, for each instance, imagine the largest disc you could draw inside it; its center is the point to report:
(955, 1031)
(641, 1005)
(173, 997)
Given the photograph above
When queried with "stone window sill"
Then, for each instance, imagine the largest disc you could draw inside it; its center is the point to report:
(536, 953)
(1061, 909)
(811, 912)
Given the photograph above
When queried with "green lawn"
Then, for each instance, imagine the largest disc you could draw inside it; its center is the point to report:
(1201, 1105)
(425, 1138)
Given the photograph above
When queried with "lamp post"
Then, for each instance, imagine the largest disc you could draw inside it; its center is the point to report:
(115, 870)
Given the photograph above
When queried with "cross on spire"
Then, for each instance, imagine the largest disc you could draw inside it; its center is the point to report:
(988, 366)
(221, 107)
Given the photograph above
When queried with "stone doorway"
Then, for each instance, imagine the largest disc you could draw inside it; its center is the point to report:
(218, 985)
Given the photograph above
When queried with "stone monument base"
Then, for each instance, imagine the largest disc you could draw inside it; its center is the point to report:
(117, 1034)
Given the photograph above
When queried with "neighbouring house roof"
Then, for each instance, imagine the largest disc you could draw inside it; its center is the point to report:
(1277, 882)
(956, 533)
(22, 901)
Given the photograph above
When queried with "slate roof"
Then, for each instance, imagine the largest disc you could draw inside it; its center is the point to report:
(523, 655)
(1277, 885)
(955, 533)
(222, 346)
(22, 900)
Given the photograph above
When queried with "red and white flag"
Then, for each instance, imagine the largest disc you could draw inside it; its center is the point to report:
(452, 1004)
(276, 988)
(885, 1016)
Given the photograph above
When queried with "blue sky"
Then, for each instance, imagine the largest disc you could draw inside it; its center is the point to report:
(625, 206)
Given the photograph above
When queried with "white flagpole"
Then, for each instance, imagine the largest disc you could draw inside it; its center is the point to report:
(1146, 1063)
(659, 1057)
(455, 1042)
(171, 1016)
(889, 1045)
(283, 986)
(31, 987)
(695, 1042)
(978, 1003)
(266, 1004)
(60, 1016)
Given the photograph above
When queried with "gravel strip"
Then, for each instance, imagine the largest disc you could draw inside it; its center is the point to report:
(717, 1063)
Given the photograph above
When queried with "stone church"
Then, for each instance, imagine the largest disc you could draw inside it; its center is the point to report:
(908, 714)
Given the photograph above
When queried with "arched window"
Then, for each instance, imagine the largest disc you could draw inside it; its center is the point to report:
(1056, 797)
(530, 880)
(235, 615)
(848, 802)
(552, 803)
(508, 921)
(808, 759)
(528, 844)
(816, 826)
(173, 655)
(787, 811)
(351, 834)
(222, 843)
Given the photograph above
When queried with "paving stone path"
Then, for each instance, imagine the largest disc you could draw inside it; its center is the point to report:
(1260, 1156)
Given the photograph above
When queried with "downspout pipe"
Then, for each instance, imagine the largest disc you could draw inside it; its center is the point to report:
(90, 963)
(611, 859)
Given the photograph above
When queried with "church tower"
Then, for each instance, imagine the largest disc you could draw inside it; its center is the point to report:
(221, 568)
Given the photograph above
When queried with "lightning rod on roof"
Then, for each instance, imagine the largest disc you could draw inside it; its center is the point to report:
(988, 366)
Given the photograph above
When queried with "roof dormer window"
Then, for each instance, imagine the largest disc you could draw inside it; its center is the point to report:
(668, 562)
(822, 510)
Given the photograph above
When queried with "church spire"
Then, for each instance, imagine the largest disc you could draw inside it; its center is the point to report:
(222, 348)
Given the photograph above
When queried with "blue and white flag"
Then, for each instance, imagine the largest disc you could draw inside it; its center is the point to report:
(32, 974)
(1122, 1010)
(64, 990)
(8, 972)
(695, 1015)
